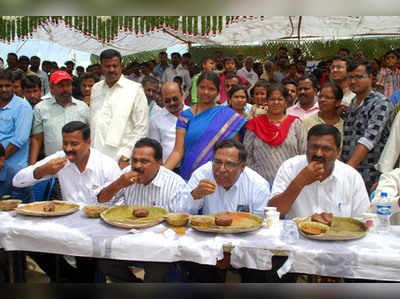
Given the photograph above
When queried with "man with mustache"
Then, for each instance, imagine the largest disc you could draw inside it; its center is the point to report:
(307, 102)
(82, 172)
(163, 123)
(119, 112)
(146, 183)
(318, 182)
(52, 114)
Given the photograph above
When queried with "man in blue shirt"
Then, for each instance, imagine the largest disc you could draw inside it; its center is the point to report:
(15, 125)
(7, 173)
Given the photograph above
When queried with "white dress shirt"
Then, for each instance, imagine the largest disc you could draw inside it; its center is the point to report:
(119, 117)
(389, 182)
(163, 129)
(250, 190)
(343, 193)
(167, 190)
(76, 186)
(250, 76)
(391, 151)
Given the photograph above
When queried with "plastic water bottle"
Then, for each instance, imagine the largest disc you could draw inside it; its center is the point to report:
(383, 210)
(290, 234)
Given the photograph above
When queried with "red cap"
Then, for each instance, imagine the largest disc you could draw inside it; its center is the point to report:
(58, 76)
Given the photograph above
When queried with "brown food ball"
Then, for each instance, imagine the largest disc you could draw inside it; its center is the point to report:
(142, 212)
(223, 220)
(51, 207)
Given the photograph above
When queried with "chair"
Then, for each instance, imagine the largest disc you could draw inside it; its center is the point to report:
(42, 190)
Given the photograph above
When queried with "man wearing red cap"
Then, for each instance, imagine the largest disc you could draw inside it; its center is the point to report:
(52, 114)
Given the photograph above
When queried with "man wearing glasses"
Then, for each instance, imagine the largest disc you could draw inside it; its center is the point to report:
(163, 123)
(226, 184)
(366, 125)
(338, 73)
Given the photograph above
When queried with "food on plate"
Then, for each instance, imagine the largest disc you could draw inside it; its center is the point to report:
(313, 228)
(324, 218)
(202, 220)
(177, 219)
(94, 211)
(9, 204)
(141, 212)
(50, 207)
(223, 220)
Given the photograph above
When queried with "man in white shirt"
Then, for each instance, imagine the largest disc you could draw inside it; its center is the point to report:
(176, 69)
(82, 171)
(119, 113)
(226, 184)
(389, 182)
(248, 72)
(163, 123)
(144, 183)
(318, 182)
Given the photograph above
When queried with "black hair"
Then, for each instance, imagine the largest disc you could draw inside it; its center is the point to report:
(296, 50)
(262, 83)
(187, 54)
(392, 52)
(31, 82)
(231, 76)
(283, 48)
(154, 144)
(24, 58)
(228, 58)
(17, 75)
(2, 151)
(337, 91)
(236, 88)
(162, 53)
(205, 59)
(344, 50)
(89, 75)
(356, 64)
(79, 67)
(74, 126)
(12, 54)
(44, 62)
(110, 53)
(325, 129)
(150, 79)
(289, 81)
(229, 143)
(35, 57)
(178, 79)
(176, 54)
(280, 87)
(312, 78)
(343, 58)
(69, 62)
(211, 76)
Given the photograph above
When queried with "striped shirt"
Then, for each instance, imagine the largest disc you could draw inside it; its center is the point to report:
(167, 190)
(389, 80)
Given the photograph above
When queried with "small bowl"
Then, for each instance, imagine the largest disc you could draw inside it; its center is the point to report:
(201, 220)
(177, 219)
(313, 228)
(94, 211)
(9, 204)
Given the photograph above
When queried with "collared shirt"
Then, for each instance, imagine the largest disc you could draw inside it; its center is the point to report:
(159, 70)
(167, 190)
(251, 76)
(348, 97)
(395, 98)
(368, 125)
(389, 80)
(163, 129)
(250, 190)
(153, 109)
(6, 188)
(343, 193)
(122, 107)
(49, 118)
(76, 186)
(180, 71)
(15, 128)
(296, 110)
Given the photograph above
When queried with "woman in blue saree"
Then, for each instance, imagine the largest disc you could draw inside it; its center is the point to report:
(201, 126)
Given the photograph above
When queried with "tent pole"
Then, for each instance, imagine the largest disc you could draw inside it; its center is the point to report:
(177, 37)
(298, 28)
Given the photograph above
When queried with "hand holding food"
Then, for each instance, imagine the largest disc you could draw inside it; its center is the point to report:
(314, 171)
(55, 165)
(128, 179)
(204, 188)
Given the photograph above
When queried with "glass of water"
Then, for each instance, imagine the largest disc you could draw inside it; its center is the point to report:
(290, 234)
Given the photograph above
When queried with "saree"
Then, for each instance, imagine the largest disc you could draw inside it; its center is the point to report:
(203, 131)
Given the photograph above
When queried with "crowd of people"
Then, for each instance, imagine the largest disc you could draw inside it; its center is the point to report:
(229, 134)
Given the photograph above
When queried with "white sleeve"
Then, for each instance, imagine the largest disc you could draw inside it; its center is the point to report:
(282, 180)
(360, 197)
(260, 200)
(24, 177)
(391, 151)
(194, 205)
(154, 132)
(390, 183)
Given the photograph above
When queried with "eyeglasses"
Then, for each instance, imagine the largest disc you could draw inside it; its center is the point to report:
(169, 100)
(357, 77)
(320, 96)
(339, 67)
(228, 165)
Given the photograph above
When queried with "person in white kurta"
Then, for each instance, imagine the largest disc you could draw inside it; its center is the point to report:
(389, 182)
(82, 171)
(318, 182)
(119, 113)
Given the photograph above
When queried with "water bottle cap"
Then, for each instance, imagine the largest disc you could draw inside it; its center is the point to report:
(384, 194)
